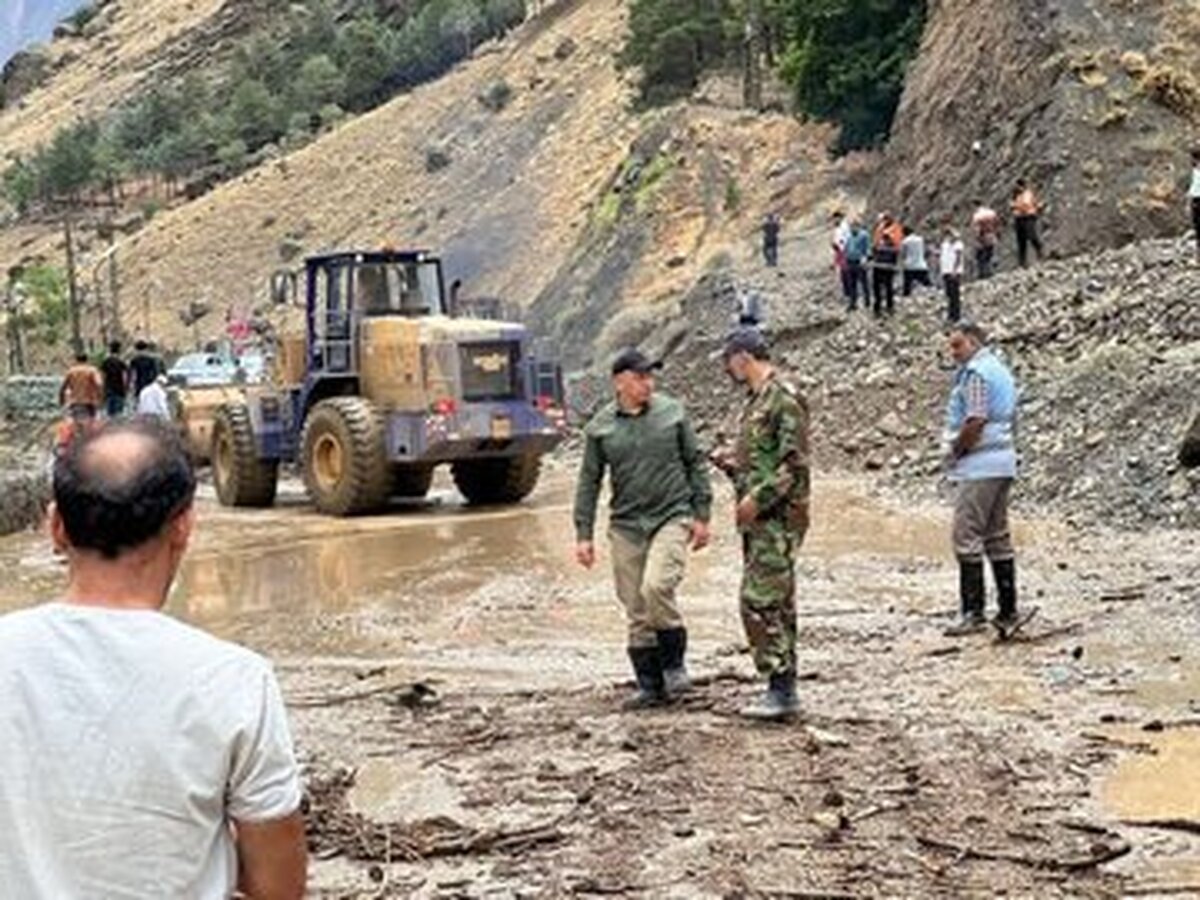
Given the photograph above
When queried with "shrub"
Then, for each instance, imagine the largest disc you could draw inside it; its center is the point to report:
(495, 96)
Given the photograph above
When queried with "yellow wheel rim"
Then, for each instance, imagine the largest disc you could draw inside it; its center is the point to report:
(328, 462)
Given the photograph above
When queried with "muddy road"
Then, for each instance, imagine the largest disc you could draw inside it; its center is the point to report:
(454, 685)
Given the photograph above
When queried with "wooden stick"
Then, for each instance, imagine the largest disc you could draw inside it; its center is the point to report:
(1190, 826)
(1099, 857)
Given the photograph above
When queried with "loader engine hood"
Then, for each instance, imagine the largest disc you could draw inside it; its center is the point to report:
(411, 364)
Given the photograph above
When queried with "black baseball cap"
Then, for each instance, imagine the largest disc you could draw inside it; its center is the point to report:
(745, 340)
(633, 360)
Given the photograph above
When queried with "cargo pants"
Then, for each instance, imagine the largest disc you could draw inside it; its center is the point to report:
(647, 574)
(768, 594)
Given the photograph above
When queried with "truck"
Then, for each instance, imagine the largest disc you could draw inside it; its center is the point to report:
(384, 385)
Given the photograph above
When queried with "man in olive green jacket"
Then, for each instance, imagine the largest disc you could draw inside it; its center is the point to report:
(659, 506)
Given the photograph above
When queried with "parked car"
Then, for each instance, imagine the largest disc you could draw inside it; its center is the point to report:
(213, 370)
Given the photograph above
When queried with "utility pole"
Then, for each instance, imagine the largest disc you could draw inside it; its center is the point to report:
(752, 82)
(14, 297)
(72, 289)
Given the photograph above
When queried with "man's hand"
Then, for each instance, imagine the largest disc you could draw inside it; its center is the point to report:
(700, 535)
(747, 512)
(585, 554)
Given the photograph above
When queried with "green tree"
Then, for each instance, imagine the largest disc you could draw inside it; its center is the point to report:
(263, 59)
(674, 41)
(142, 124)
(20, 185)
(44, 313)
(320, 81)
(846, 61)
(255, 113)
(363, 53)
(502, 15)
(461, 22)
(330, 115)
(313, 28)
(233, 156)
(179, 154)
(70, 162)
(113, 162)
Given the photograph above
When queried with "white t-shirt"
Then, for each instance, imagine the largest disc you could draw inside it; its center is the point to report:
(912, 254)
(952, 256)
(841, 234)
(1194, 191)
(152, 401)
(128, 741)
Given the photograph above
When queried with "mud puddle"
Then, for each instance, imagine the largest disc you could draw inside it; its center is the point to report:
(441, 588)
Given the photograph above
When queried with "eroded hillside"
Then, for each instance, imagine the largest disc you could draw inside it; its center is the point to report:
(1096, 101)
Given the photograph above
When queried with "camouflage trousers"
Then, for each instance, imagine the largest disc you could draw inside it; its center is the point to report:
(768, 595)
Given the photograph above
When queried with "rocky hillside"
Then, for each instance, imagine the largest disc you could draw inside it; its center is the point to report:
(1096, 101)
(1106, 350)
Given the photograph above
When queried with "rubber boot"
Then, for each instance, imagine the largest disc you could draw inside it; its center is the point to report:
(970, 599)
(1005, 573)
(647, 670)
(778, 703)
(672, 645)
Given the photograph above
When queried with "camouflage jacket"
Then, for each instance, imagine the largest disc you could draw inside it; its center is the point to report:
(772, 457)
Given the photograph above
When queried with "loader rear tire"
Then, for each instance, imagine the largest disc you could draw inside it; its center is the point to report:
(496, 481)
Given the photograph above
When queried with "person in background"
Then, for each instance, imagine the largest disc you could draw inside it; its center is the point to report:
(858, 250)
(951, 266)
(116, 381)
(914, 264)
(885, 259)
(770, 239)
(82, 389)
(144, 366)
(841, 237)
(985, 226)
(1025, 211)
(152, 401)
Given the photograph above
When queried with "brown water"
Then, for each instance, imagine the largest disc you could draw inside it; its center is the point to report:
(443, 586)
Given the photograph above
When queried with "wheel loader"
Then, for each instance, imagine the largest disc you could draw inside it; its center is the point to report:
(384, 386)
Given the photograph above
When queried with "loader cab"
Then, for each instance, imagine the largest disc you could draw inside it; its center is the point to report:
(343, 289)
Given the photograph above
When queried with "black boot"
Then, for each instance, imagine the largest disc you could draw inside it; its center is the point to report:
(778, 703)
(970, 599)
(672, 645)
(1005, 573)
(647, 669)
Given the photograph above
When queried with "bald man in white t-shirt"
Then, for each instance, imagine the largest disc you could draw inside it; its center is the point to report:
(139, 757)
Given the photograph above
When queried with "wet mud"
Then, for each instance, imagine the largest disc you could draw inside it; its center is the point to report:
(455, 681)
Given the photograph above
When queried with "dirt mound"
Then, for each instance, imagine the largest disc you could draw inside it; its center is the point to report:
(1096, 101)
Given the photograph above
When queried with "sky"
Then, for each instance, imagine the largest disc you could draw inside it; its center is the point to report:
(25, 22)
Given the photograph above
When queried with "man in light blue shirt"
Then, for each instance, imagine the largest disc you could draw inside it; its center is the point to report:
(980, 420)
(858, 248)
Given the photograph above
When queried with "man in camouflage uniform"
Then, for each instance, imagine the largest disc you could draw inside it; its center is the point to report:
(770, 472)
